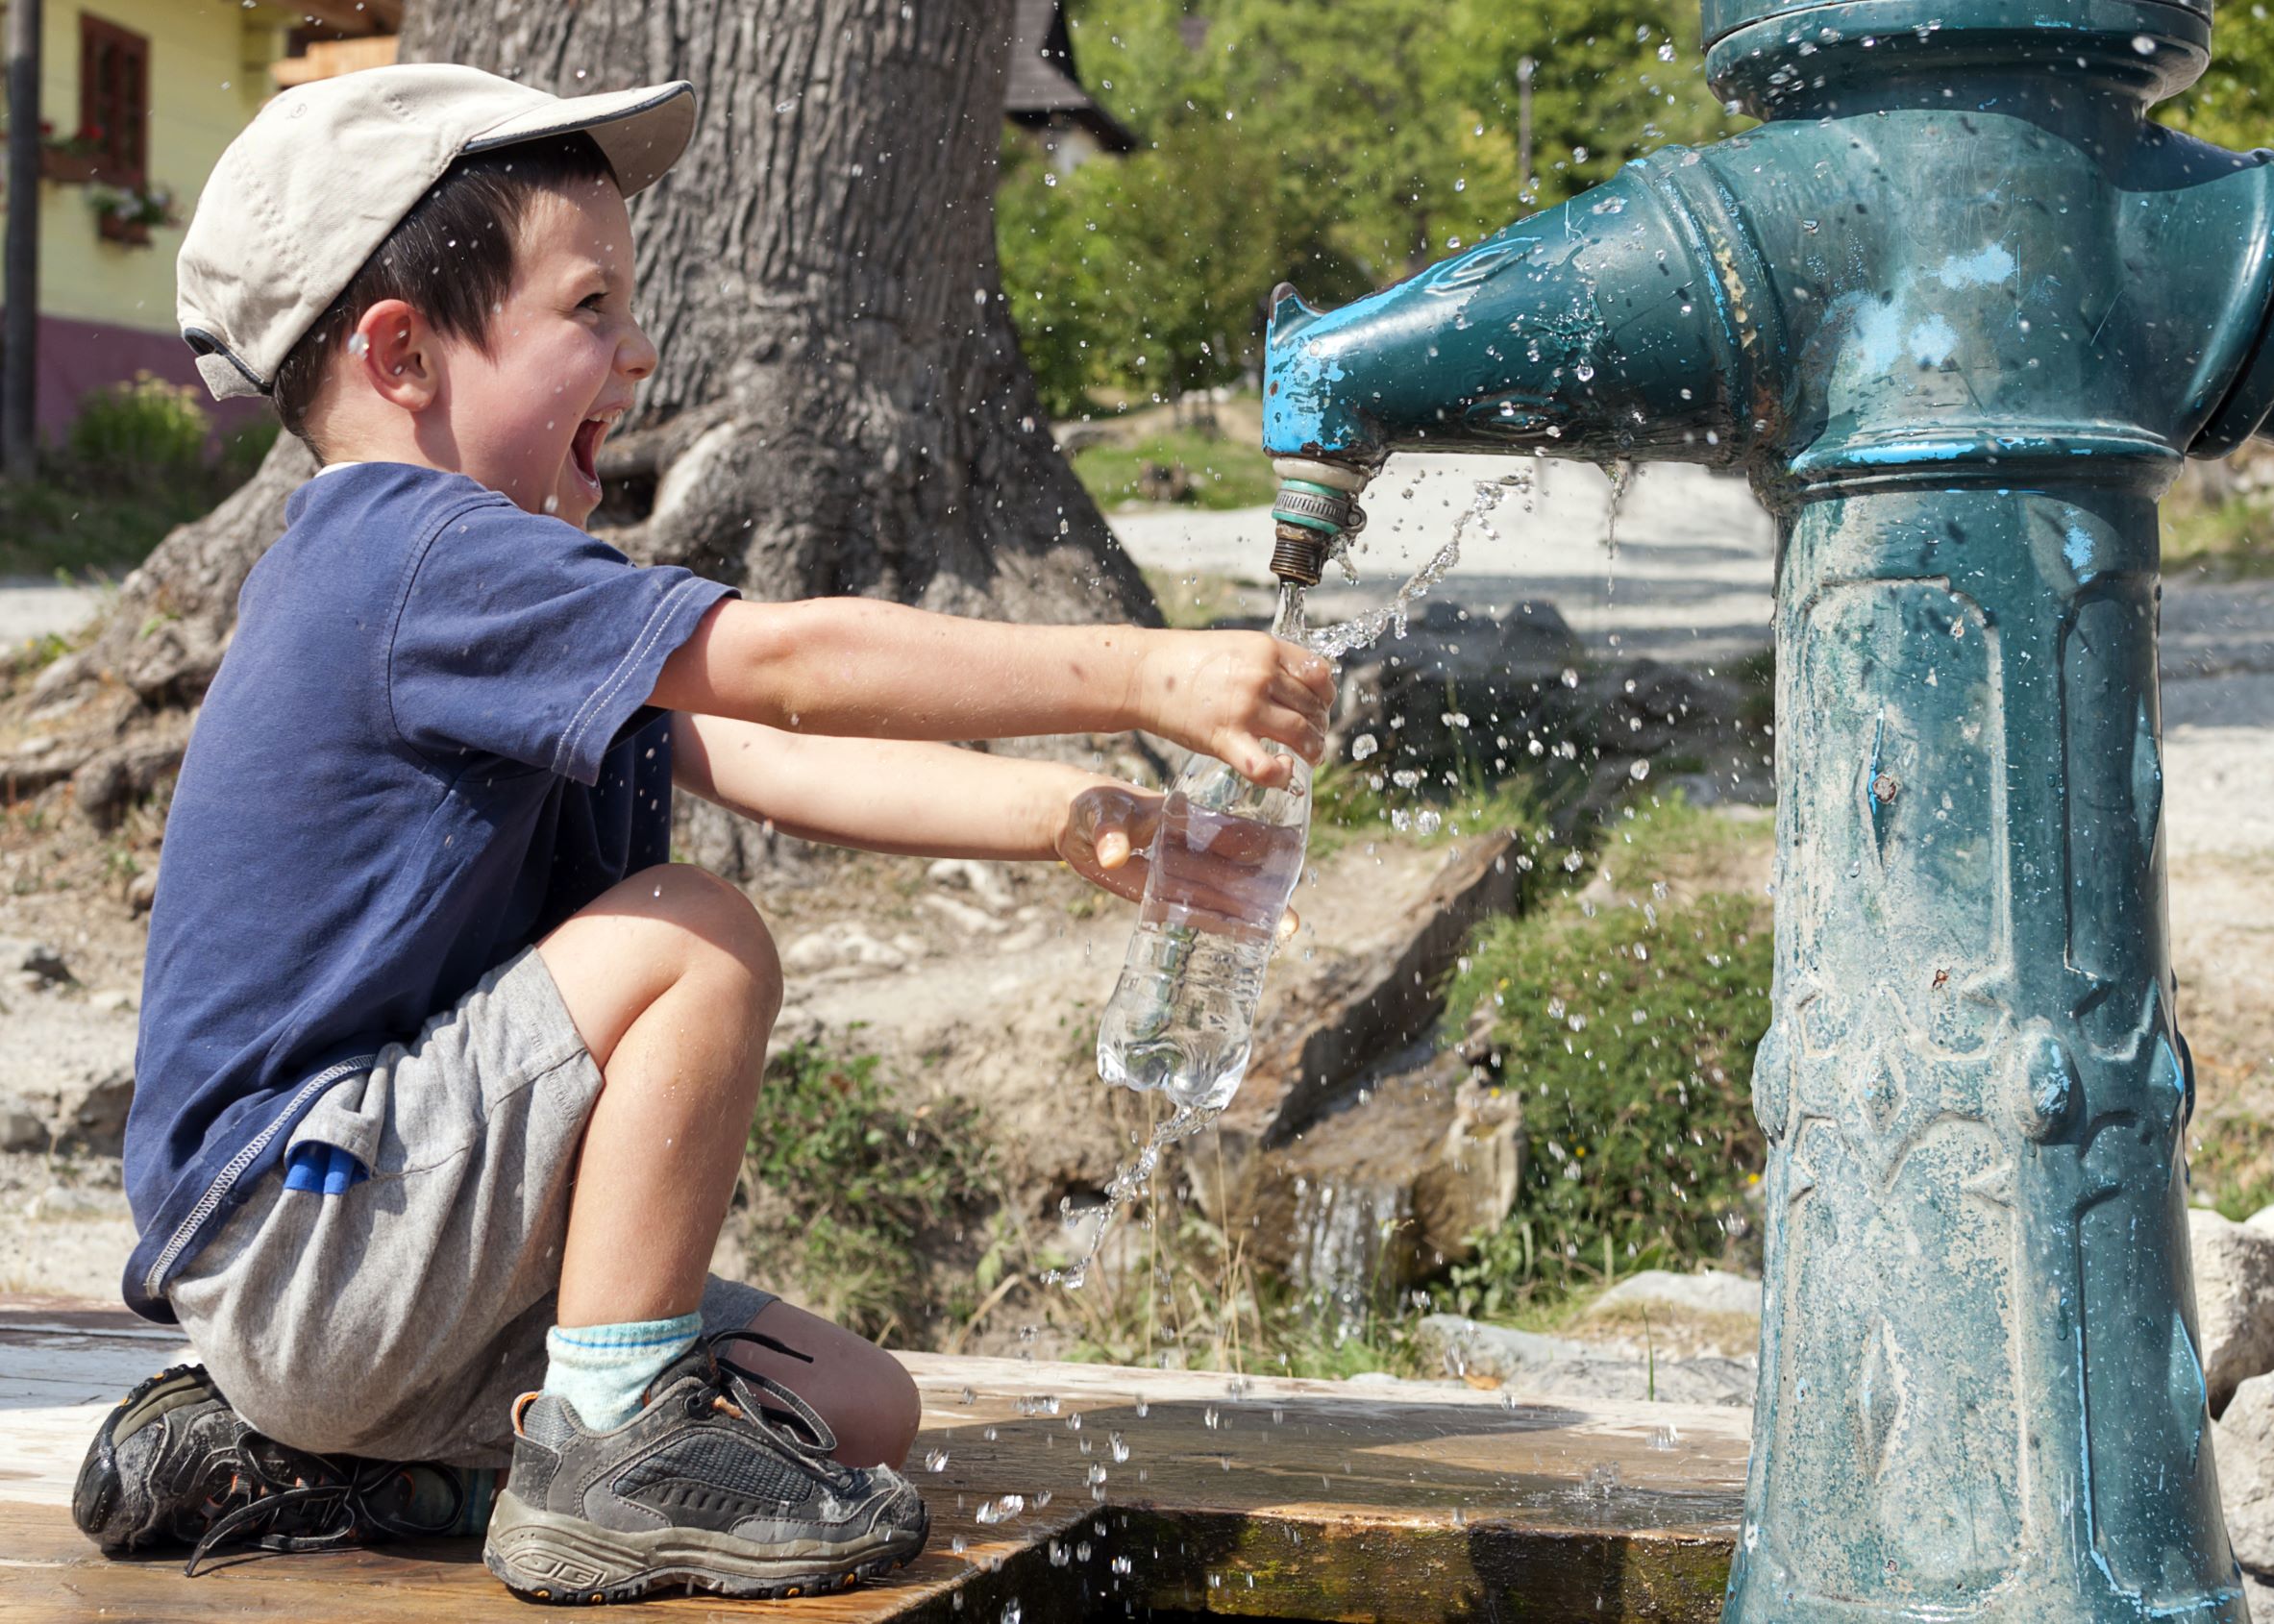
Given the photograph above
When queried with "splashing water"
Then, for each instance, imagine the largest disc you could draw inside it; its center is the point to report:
(1347, 637)
(1621, 475)
(1130, 1182)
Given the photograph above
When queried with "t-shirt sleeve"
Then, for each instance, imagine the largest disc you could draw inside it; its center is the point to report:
(523, 637)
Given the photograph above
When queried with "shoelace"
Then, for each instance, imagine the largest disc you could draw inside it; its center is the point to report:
(330, 1512)
(774, 1409)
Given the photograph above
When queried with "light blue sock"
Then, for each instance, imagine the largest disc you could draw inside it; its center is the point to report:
(604, 1370)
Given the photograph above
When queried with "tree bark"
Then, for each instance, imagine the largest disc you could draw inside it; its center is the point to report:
(841, 405)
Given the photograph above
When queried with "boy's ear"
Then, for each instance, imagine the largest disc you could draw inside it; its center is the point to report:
(394, 350)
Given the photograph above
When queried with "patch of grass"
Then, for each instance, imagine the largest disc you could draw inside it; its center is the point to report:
(1630, 1031)
(2233, 538)
(2231, 1164)
(845, 1182)
(1223, 472)
(1363, 800)
(46, 526)
(138, 460)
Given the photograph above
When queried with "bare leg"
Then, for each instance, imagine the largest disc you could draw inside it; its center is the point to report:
(867, 1399)
(673, 983)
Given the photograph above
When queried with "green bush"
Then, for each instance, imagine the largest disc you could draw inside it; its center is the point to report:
(146, 433)
(1631, 1036)
(849, 1182)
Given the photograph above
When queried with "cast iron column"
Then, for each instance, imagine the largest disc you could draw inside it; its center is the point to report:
(1959, 309)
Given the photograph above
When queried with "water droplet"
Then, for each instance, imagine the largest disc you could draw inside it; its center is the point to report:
(935, 1461)
(2141, 43)
(1639, 771)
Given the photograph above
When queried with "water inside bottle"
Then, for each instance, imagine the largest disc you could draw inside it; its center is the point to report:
(1179, 1021)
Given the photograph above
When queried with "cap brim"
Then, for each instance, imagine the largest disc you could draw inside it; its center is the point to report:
(641, 132)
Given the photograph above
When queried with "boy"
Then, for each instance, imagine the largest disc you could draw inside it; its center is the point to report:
(445, 1070)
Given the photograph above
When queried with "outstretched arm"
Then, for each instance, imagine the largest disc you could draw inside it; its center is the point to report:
(919, 800)
(851, 666)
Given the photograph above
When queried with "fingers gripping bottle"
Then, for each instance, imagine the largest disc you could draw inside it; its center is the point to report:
(1225, 863)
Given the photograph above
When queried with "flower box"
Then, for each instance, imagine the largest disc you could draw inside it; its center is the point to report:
(67, 168)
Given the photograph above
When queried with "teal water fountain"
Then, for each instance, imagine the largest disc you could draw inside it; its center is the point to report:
(1959, 309)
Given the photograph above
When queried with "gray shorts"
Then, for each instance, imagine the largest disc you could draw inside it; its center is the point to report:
(401, 1317)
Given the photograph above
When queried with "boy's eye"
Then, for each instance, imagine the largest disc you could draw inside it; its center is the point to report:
(592, 301)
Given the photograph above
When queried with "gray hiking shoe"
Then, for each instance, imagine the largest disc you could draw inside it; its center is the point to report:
(173, 1465)
(723, 1483)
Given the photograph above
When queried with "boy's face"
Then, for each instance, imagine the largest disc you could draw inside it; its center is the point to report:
(563, 360)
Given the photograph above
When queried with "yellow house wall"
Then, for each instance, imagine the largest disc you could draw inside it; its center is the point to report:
(208, 76)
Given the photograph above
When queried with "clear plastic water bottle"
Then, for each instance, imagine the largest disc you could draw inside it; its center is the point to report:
(1223, 865)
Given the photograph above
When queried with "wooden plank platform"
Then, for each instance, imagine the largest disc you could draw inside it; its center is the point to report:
(1141, 1493)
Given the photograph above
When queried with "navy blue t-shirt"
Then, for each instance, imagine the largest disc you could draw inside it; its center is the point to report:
(428, 745)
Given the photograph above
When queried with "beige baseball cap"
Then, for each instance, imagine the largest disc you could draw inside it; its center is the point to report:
(311, 189)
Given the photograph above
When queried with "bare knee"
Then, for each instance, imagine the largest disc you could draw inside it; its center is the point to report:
(726, 940)
(866, 1395)
(672, 927)
(880, 1423)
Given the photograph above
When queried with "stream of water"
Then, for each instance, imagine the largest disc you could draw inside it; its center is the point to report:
(1336, 642)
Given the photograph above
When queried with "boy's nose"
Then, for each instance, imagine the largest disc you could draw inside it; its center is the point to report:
(635, 357)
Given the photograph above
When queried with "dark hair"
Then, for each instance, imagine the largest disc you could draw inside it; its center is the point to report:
(451, 258)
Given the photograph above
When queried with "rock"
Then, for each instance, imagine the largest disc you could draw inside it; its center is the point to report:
(1457, 678)
(21, 1128)
(2242, 1442)
(1551, 1365)
(985, 881)
(971, 921)
(60, 1203)
(1314, 1045)
(1463, 1347)
(36, 962)
(2259, 1594)
(112, 1001)
(1707, 1292)
(2234, 1301)
(842, 945)
(142, 890)
(1470, 1185)
(90, 1111)
(1380, 1193)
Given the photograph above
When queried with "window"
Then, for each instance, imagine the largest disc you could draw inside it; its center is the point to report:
(114, 98)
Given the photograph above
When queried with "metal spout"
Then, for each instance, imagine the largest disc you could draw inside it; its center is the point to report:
(1317, 509)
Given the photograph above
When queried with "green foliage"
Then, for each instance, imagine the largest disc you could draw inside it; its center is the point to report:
(847, 1183)
(134, 465)
(1631, 1035)
(1340, 145)
(2231, 1164)
(1224, 473)
(2234, 100)
(50, 525)
(2230, 538)
(148, 432)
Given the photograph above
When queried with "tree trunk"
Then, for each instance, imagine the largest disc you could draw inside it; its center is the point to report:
(841, 405)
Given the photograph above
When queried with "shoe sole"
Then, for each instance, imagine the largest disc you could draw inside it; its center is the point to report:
(99, 1495)
(570, 1562)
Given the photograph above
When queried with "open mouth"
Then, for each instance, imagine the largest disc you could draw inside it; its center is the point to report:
(584, 450)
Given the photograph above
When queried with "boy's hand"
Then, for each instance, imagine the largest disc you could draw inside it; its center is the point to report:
(1225, 693)
(1109, 828)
